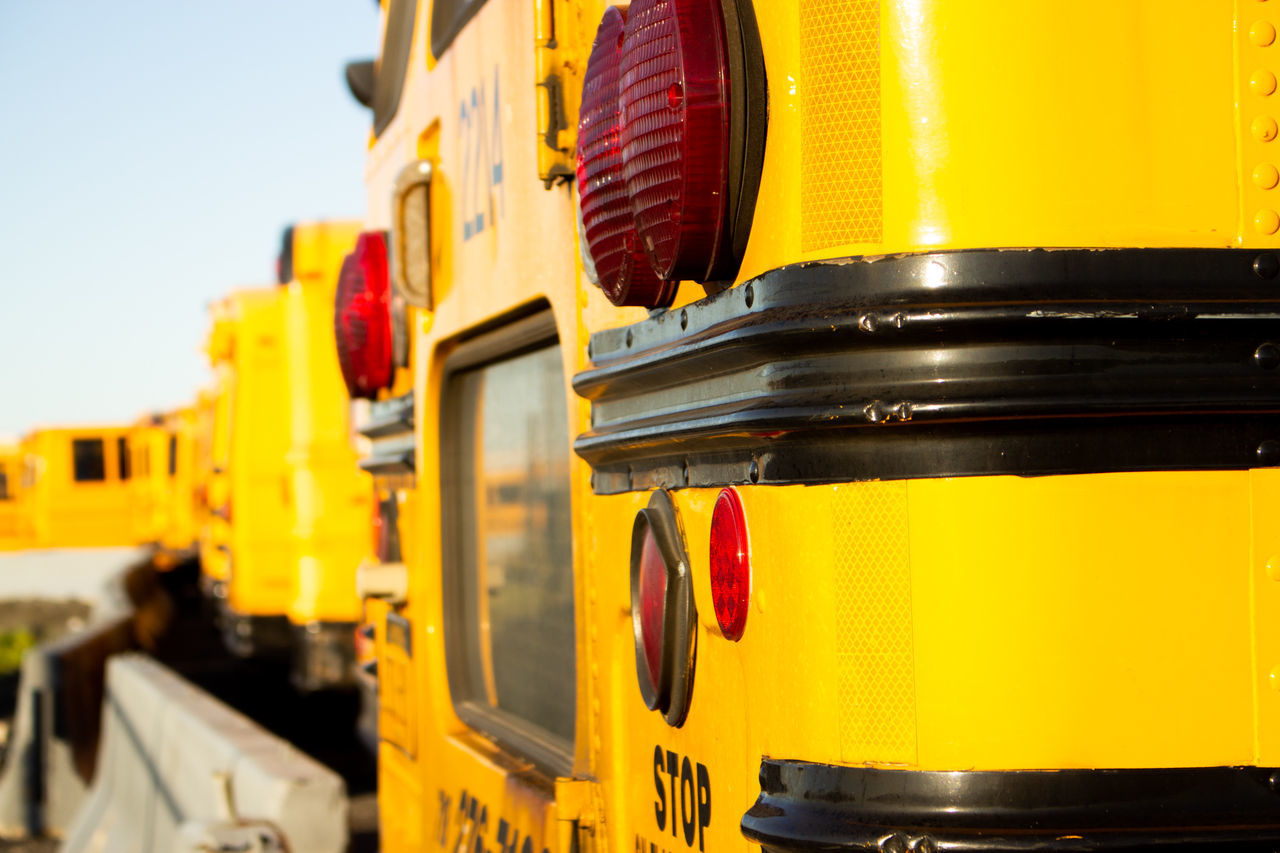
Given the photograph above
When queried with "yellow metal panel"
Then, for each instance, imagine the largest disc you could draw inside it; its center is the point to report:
(1060, 123)
(1086, 621)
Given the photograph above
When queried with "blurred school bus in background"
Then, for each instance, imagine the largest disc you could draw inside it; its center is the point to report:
(75, 487)
(332, 498)
(11, 521)
(250, 492)
(177, 525)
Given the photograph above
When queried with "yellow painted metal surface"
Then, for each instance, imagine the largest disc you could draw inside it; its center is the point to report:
(332, 498)
(64, 513)
(260, 495)
(1057, 123)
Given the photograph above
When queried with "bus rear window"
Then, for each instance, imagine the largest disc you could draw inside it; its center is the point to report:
(89, 460)
(122, 457)
(5, 494)
(510, 626)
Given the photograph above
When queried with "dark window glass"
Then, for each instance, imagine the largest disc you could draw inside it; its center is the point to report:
(5, 494)
(173, 454)
(89, 460)
(510, 628)
(448, 17)
(393, 62)
(122, 457)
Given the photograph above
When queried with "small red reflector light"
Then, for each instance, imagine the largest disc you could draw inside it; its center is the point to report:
(653, 605)
(674, 100)
(730, 565)
(362, 317)
(622, 268)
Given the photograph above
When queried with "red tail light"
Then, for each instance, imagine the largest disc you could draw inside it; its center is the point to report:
(730, 565)
(622, 268)
(674, 97)
(362, 317)
(662, 611)
(653, 604)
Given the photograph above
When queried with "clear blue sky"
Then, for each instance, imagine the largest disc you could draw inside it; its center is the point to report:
(151, 151)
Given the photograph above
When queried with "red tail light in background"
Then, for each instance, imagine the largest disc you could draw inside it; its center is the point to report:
(362, 317)
(622, 268)
(674, 97)
(730, 565)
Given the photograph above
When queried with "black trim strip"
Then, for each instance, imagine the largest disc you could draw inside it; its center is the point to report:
(947, 364)
(809, 807)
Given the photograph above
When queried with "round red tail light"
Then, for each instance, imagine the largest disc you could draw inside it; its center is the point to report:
(730, 564)
(653, 604)
(622, 268)
(663, 616)
(674, 99)
(362, 317)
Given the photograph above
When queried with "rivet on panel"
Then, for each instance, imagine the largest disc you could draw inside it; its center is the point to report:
(1262, 82)
(754, 472)
(1266, 176)
(1266, 221)
(1262, 34)
(1266, 266)
(1267, 356)
(1273, 568)
(1264, 128)
(1268, 453)
(750, 295)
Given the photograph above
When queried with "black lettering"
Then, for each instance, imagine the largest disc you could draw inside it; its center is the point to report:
(659, 805)
(528, 845)
(672, 769)
(503, 829)
(704, 802)
(639, 844)
(687, 801)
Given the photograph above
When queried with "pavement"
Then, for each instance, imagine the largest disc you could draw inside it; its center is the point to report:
(78, 573)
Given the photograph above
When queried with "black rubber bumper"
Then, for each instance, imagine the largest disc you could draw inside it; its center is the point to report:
(810, 807)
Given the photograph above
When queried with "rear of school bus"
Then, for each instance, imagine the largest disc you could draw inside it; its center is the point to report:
(77, 487)
(143, 465)
(11, 536)
(333, 499)
(178, 527)
(215, 442)
(933, 509)
(259, 501)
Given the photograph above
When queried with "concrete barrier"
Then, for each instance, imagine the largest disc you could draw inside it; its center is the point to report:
(54, 740)
(176, 766)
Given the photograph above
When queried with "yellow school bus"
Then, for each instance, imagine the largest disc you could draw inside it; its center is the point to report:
(247, 552)
(332, 498)
(836, 424)
(145, 469)
(178, 528)
(11, 518)
(75, 487)
(214, 432)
